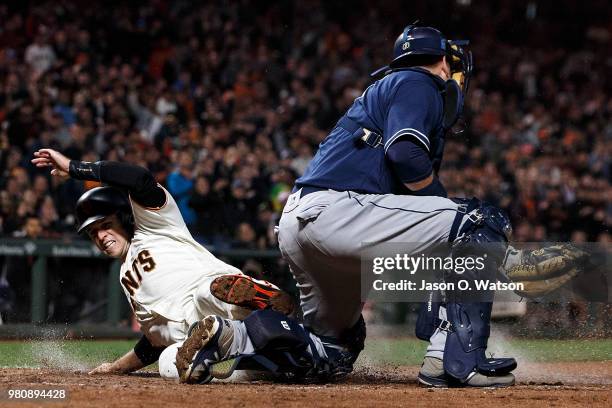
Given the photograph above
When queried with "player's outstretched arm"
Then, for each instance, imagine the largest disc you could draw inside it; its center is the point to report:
(126, 364)
(138, 181)
(142, 355)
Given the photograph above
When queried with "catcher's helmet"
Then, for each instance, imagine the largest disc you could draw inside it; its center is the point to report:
(418, 40)
(101, 202)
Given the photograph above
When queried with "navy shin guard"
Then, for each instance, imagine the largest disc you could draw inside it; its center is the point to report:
(466, 343)
(485, 235)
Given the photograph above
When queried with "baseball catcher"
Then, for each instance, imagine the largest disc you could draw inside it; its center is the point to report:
(374, 180)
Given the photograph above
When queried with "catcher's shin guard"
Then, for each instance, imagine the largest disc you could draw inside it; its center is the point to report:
(466, 342)
(485, 235)
(282, 346)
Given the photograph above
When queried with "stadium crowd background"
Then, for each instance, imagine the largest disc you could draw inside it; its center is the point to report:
(226, 103)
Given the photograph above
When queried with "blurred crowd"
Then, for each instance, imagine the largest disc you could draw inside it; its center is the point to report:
(226, 102)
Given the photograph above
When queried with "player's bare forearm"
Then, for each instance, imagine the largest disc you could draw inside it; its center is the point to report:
(124, 365)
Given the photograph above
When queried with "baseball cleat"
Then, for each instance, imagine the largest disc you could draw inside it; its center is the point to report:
(498, 381)
(244, 291)
(432, 375)
(431, 381)
(207, 344)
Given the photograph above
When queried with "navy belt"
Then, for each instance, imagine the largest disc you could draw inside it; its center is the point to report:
(307, 190)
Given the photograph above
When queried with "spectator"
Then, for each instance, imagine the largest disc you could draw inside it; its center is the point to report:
(245, 237)
(180, 184)
(40, 55)
(169, 84)
(226, 108)
(209, 207)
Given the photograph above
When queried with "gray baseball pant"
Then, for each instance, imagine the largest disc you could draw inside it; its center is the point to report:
(321, 236)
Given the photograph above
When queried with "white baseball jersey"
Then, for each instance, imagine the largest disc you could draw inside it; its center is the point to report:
(166, 275)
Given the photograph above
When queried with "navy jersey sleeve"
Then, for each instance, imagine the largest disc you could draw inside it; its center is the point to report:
(413, 112)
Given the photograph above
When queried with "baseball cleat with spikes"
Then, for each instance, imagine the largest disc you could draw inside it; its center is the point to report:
(244, 291)
(207, 344)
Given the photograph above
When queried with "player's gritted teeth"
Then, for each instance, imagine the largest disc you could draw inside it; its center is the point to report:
(109, 236)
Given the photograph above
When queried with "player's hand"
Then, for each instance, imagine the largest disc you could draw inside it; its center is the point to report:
(54, 159)
(105, 368)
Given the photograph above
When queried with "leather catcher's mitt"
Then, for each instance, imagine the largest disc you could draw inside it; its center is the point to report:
(533, 289)
(544, 270)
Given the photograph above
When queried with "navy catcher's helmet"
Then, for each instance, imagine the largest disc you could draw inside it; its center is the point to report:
(101, 202)
(417, 40)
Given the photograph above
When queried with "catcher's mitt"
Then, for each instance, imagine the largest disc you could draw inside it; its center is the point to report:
(538, 288)
(544, 270)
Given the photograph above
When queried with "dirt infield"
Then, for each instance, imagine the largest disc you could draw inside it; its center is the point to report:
(552, 384)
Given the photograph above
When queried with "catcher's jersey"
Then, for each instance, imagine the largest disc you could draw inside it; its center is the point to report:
(164, 266)
(404, 104)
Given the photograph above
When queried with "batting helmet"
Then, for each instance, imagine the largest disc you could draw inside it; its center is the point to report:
(101, 202)
(416, 40)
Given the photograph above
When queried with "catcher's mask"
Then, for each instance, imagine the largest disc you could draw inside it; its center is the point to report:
(417, 41)
(101, 202)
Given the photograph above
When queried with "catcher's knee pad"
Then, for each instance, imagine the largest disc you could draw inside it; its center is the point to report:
(483, 237)
(272, 330)
(282, 346)
(466, 342)
(485, 226)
